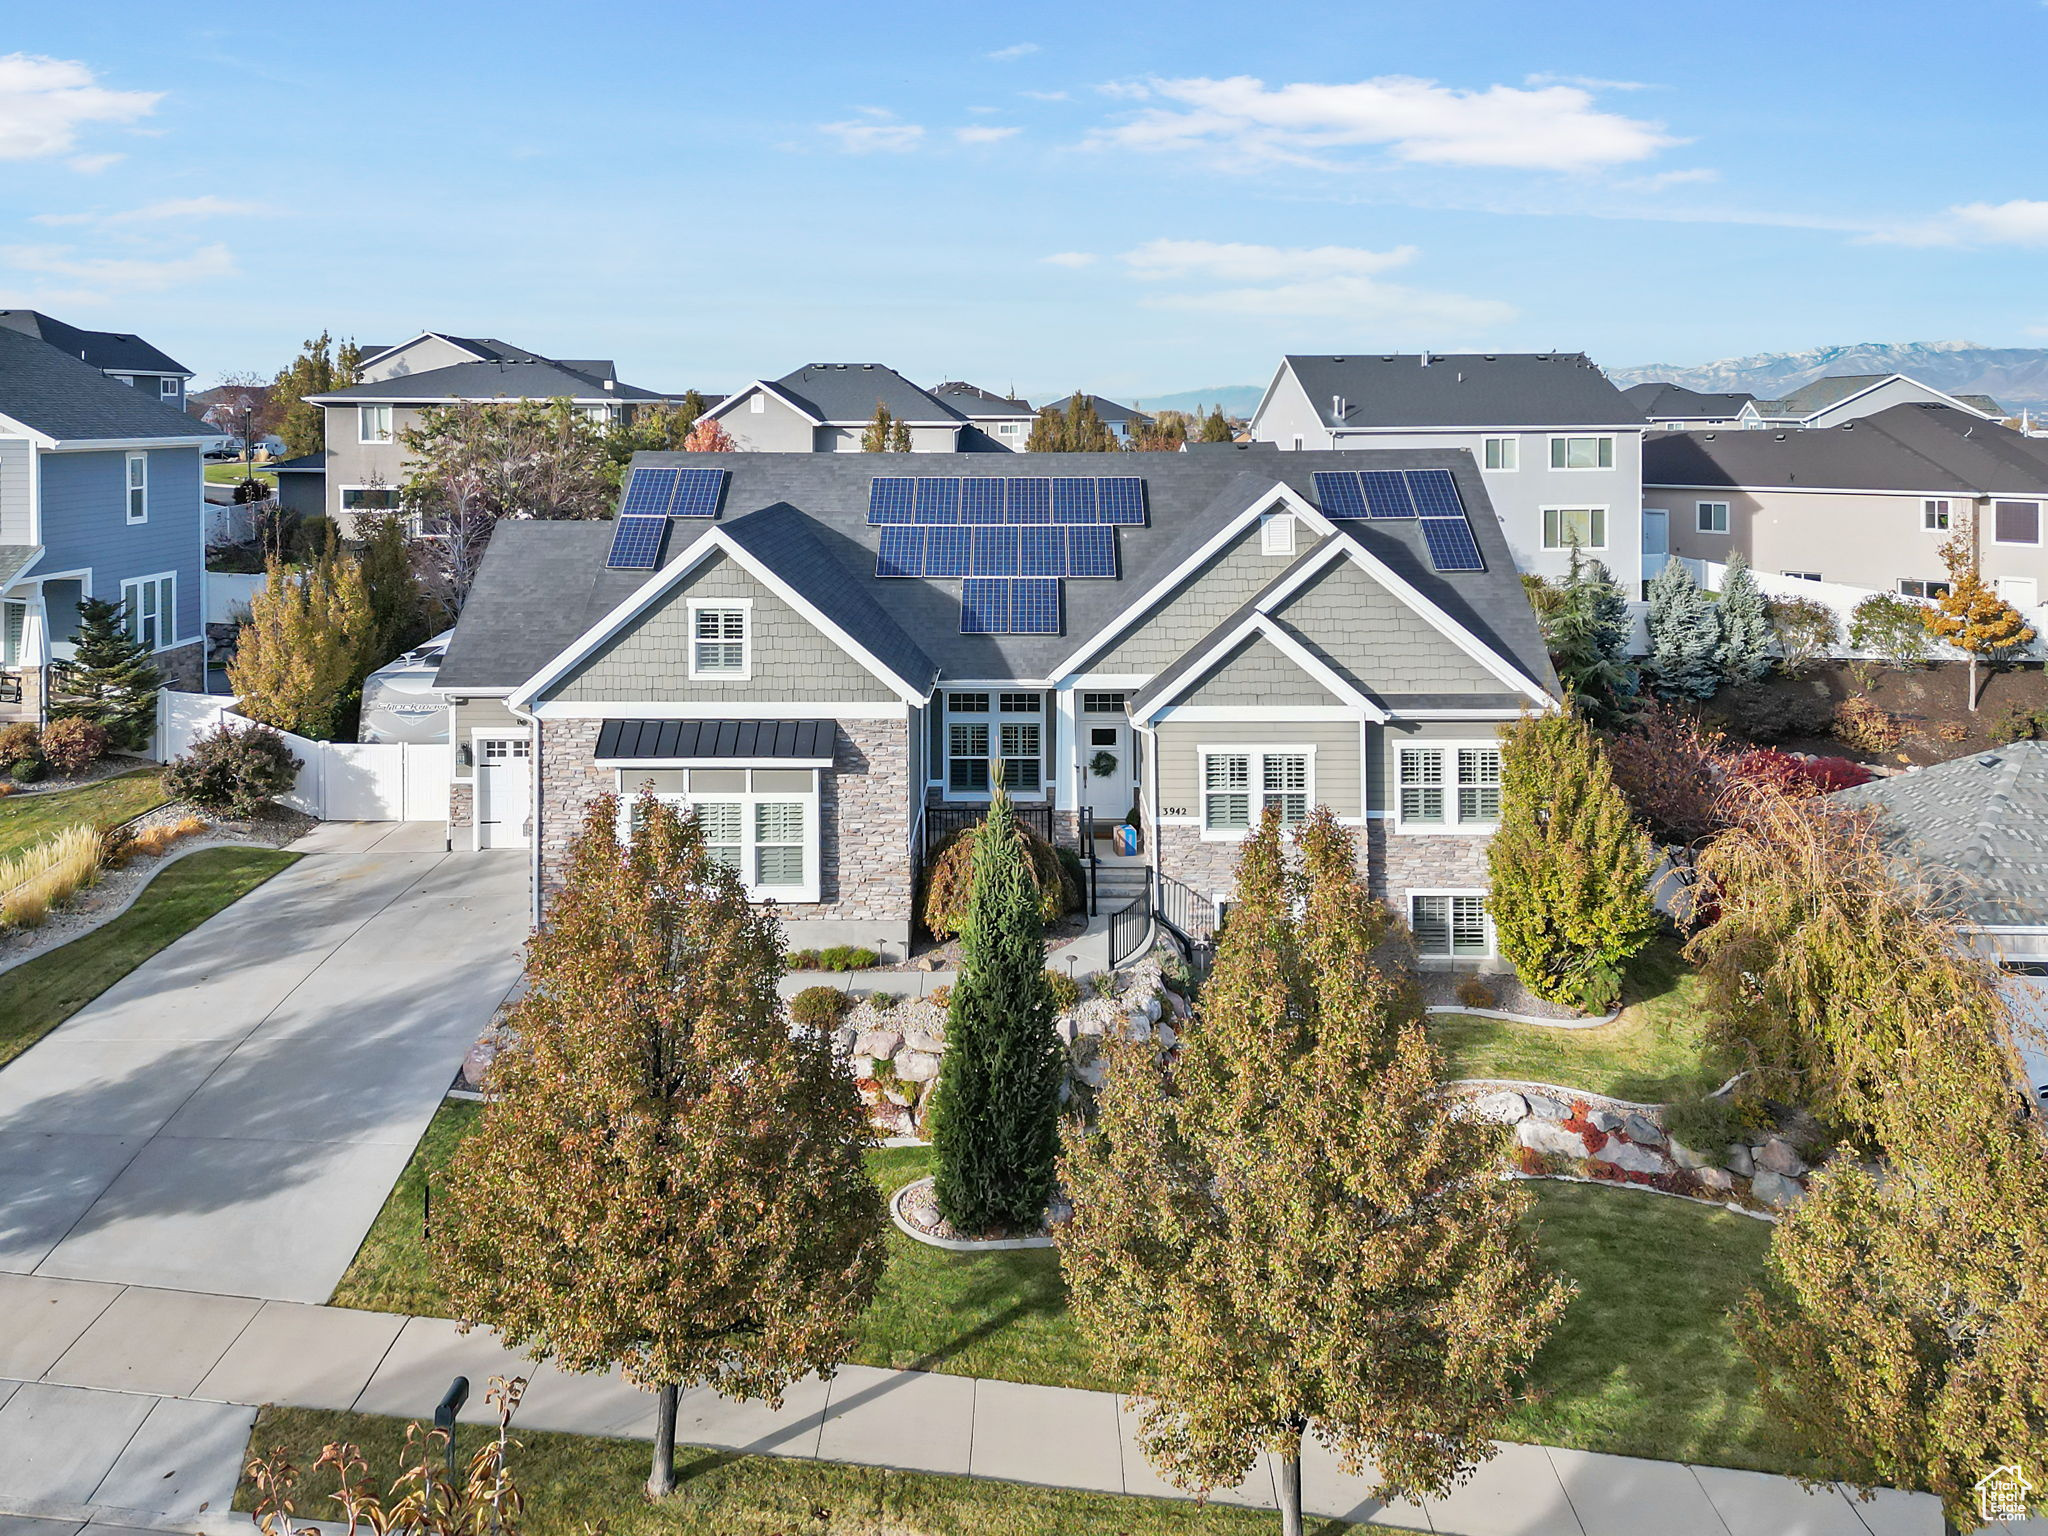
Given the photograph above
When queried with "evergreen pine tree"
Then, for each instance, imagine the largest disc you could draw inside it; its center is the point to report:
(319, 367)
(398, 607)
(1072, 426)
(1569, 887)
(875, 438)
(1685, 637)
(1215, 429)
(997, 1130)
(110, 679)
(1288, 1233)
(1585, 623)
(1746, 631)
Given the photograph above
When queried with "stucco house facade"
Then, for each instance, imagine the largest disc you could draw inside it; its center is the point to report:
(100, 497)
(810, 663)
(1559, 447)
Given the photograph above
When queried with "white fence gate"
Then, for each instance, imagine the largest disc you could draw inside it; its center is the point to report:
(342, 780)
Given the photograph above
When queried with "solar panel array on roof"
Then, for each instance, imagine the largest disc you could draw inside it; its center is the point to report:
(1338, 494)
(698, 492)
(891, 499)
(1430, 495)
(1436, 493)
(1386, 493)
(671, 491)
(1118, 500)
(1009, 606)
(997, 550)
(1451, 545)
(648, 493)
(938, 501)
(636, 543)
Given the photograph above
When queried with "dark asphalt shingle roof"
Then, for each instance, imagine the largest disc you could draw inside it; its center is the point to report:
(849, 392)
(1109, 410)
(102, 349)
(1904, 448)
(969, 400)
(306, 463)
(517, 380)
(1668, 402)
(542, 583)
(61, 397)
(1464, 389)
(1977, 825)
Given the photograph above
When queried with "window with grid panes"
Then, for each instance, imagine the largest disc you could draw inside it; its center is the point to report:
(1443, 786)
(1451, 927)
(1011, 732)
(1478, 784)
(778, 843)
(1236, 786)
(1227, 792)
(718, 642)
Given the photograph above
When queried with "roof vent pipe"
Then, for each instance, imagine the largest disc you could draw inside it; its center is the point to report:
(1337, 407)
(1425, 359)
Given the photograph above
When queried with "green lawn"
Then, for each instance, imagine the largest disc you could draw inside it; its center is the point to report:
(1644, 1364)
(38, 996)
(224, 473)
(1655, 1052)
(574, 1484)
(28, 819)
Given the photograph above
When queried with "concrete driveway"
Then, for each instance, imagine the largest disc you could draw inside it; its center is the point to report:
(229, 1117)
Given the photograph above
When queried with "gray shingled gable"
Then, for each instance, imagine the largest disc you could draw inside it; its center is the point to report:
(1977, 825)
(543, 583)
(1667, 401)
(851, 391)
(103, 349)
(517, 380)
(1912, 447)
(1464, 389)
(72, 401)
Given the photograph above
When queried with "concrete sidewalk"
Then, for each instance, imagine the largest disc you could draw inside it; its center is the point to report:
(109, 1392)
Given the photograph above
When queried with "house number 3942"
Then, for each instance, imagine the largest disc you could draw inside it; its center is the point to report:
(1173, 810)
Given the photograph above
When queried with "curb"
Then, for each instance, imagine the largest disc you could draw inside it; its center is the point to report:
(1522, 1018)
(1551, 1090)
(956, 1244)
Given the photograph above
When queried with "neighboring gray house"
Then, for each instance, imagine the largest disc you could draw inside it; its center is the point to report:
(1122, 420)
(797, 645)
(365, 462)
(1559, 445)
(995, 422)
(115, 353)
(99, 497)
(1675, 408)
(1977, 828)
(1867, 503)
(825, 407)
(1831, 401)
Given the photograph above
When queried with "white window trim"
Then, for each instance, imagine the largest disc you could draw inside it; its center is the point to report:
(341, 500)
(1699, 517)
(1492, 936)
(747, 799)
(166, 389)
(2035, 541)
(995, 717)
(1453, 825)
(364, 415)
(129, 487)
(1606, 525)
(167, 614)
(1927, 506)
(1514, 452)
(1583, 469)
(746, 671)
(1257, 752)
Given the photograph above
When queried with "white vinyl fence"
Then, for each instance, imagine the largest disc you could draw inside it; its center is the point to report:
(342, 780)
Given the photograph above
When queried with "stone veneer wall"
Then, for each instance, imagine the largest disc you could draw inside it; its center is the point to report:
(183, 668)
(462, 805)
(1421, 862)
(863, 816)
(1212, 867)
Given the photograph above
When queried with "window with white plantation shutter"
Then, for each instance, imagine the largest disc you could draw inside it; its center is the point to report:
(1450, 926)
(1238, 786)
(721, 821)
(1284, 778)
(1226, 792)
(778, 843)
(1448, 786)
(718, 642)
(1479, 784)
(761, 823)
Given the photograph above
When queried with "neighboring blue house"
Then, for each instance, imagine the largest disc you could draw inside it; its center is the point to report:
(100, 496)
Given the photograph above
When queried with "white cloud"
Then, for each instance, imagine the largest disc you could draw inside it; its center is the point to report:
(1588, 82)
(2019, 222)
(157, 213)
(1062, 95)
(984, 134)
(44, 102)
(120, 274)
(1246, 122)
(92, 165)
(1014, 51)
(875, 129)
(1069, 259)
(1660, 180)
(1322, 282)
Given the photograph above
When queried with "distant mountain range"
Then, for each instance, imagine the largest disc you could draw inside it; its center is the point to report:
(1236, 399)
(2013, 376)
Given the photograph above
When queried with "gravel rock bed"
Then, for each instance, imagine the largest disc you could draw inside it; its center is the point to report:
(918, 1207)
(1440, 990)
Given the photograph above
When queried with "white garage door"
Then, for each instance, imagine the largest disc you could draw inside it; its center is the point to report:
(504, 791)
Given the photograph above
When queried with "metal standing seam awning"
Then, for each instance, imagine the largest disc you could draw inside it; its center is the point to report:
(793, 743)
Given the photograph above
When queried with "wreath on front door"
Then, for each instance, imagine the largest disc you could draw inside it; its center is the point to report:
(1102, 764)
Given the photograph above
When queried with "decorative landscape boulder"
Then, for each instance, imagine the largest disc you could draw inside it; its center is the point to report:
(1642, 1129)
(1776, 1156)
(881, 1044)
(1738, 1161)
(1776, 1190)
(1503, 1107)
(1549, 1136)
(917, 1066)
(1543, 1107)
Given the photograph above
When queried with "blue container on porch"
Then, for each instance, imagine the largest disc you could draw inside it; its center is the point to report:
(1123, 838)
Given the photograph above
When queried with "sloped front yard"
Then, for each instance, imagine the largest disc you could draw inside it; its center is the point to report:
(27, 819)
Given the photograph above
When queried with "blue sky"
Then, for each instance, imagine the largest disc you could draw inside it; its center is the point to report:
(1135, 200)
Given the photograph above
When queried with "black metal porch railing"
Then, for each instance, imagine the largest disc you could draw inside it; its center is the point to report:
(1129, 929)
(1190, 920)
(942, 821)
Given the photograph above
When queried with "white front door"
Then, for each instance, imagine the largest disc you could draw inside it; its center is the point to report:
(1106, 745)
(504, 791)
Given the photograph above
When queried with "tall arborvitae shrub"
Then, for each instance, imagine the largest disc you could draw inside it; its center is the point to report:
(1570, 866)
(110, 679)
(997, 1130)
(1288, 1234)
(1685, 637)
(1746, 631)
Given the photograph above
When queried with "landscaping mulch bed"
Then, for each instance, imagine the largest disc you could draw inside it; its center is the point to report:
(931, 955)
(919, 1207)
(1440, 990)
(1931, 703)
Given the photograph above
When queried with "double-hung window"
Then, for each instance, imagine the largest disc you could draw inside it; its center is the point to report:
(167, 389)
(1501, 453)
(1239, 785)
(1448, 787)
(138, 487)
(1564, 527)
(1934, 515)
(718, 641)
(1712, 516)
(984, 729)
(761, 823)
(373, 423)
(1450, 924)
(151, 606)
(1582, 453)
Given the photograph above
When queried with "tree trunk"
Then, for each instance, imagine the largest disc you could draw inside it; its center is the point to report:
(1973, 682)
(1287, 1490)
(661, 1481)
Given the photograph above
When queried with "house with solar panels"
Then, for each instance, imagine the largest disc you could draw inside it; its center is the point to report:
(1560, 448)
(831, 664)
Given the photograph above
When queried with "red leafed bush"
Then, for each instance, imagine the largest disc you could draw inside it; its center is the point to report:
(1832, 773)
(1530, 1162)
(1580, 1126)
(1769, 769)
